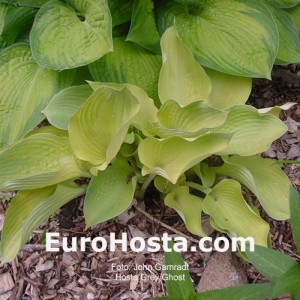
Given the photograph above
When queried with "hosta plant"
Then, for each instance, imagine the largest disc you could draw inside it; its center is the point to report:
(199, 144)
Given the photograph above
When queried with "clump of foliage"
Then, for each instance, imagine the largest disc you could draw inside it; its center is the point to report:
(150, 111)
(282, 271)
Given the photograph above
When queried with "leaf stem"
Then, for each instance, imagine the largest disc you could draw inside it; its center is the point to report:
(197, 186)
(147, 182)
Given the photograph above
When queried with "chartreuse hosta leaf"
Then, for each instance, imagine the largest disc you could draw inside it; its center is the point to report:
(252, 132)
(143, 29)
(228, 90)
(14, 21)
(28, 210)
(25, 89)
(188, 206)
(65, 36)
(190, 120)
(64, 105)
(38, 161)
(289, 43)
(264, 178)
(234, 37)
(28, 3)
(294, 14)
(121, 11)
(284, 3)
(226, 205)
(172, 156)
(181, 77)
(129, 63)
(146, 116)
(275, 110)
(99, 127)
(109, 193)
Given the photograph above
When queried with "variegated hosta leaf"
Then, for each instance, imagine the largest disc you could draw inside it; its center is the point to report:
(121, 11)
(25, 90)
(64, 105)
(143, 29)
(234, 37)
(99, 127)
(265, 179)
(191, 120)
(189, 207)
(252, 132)
(146, 116)
(228, 90)
(283, 3)
(226, 205)
(181, 77)
(294, 14)
(109, 193)
(65, 36)
(172, 156)
(38, 161)
(289, 42)
(28, 210)
(129, 63)
(13, 22)
(26, 3)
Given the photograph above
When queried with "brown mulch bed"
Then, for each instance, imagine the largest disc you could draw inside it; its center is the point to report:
(37, 274)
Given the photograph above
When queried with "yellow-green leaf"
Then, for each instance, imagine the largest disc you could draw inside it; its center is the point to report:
(65, 36)
(172, 156)
(25, 90)
(28, 210)
(189, 207)
(38, 161)
(109, 193)
(252, 132)
(181, 77)
(265, 179)
(99, 127)
(229, 210)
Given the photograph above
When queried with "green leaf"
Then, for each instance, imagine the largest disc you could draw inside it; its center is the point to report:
(109, 193)
(226, 205)
(65, 104)
(294, 14)
(68, 36)
(181, 77)
(235, 37)
(270, 263)
(252, 132)
(129, 63)
(26, 3)
(28, 210)
(25, 90)
(38, 161)
(146, 116)
(165, 186)
(15, 21)
(188, 206)
(172, 156)
(99, 127)
(143, 29)
(288, 283)
(241, 292)
(276, 110)
(188, 121)
(264, 178)
(295, 213)
(228, 90)
(177, 289)
(289, 43)
(121, 11)
(284, 3)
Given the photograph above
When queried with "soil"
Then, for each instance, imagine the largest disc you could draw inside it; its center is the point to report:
(37, 274)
